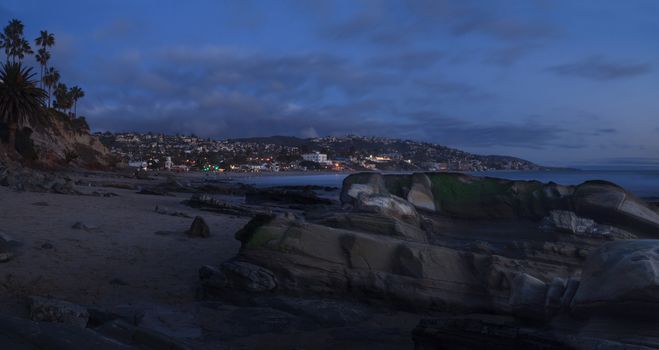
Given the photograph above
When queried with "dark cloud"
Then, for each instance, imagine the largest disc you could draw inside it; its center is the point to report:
(408, 60)
(600, 68)
(461, 132)
(119, 29)
(439, 89)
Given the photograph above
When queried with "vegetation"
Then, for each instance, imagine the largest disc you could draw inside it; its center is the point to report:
(23, 99)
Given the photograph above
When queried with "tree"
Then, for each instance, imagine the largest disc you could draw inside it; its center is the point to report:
(51, 78)
(76, 93)
(42, 57)
(63, 100)
(45, 40)
(21, 101)
(11, 39)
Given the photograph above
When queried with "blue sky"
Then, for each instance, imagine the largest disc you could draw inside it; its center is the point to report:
(556, 82)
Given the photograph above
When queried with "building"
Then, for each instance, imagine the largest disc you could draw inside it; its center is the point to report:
(315, 157)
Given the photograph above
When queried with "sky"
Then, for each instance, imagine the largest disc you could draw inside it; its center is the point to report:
(557, 82)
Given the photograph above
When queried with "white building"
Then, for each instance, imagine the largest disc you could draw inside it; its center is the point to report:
(315, 157)
(168, 163)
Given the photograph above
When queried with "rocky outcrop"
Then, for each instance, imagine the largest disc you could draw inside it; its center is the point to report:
(544, 257)
(621, 278)
(471, 197)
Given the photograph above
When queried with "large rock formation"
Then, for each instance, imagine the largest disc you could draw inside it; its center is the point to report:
(442, 242)
(471, 197)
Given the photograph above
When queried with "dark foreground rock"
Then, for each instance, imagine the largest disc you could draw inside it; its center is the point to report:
(208, 203)
(199, 228)
(547, 259)
(285, 195)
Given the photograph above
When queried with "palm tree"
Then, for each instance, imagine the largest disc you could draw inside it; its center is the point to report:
(13, 42)
(51, 78)
(63, 99)
(45, 40)
(21, 100)
(42, 57)
(76, 93)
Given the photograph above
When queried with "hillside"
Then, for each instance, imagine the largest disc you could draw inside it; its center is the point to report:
(58, 140)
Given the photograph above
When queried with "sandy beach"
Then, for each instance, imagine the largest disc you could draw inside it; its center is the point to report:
(118, 258)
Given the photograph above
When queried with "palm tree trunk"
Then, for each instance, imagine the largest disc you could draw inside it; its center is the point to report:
(75, 108)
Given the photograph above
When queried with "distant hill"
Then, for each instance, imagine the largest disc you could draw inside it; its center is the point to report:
(345, 146)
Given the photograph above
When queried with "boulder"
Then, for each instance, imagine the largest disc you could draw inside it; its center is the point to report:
(58, 311)
(620, 278)
(361, 183)
(388, 205)
(527, 297)
(199, 228)
(610, 204)
(420, 195)
(237, 275)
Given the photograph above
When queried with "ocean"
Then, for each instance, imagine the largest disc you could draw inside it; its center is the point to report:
(643, 183)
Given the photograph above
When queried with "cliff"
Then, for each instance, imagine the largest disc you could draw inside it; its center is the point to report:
(58, 140)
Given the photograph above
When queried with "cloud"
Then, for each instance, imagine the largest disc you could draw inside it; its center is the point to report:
(119, 29)
(421, 60)
(601, 69)
(454, 131)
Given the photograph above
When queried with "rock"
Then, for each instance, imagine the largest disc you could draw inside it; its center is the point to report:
(208, 203)
(249, 277)
(167, 211)
(58, 311)
(570, 290)
(527, 297)
(20, 334)
(375, 223)
(610, 204)
(283, 195)
(140, 337)
(5, 257)
(555, 292)
(82, 226)
(620, 278)
(388, 205)
(500, 333)
(361, 183)
(7, 242)
(227, 322)
(154, 192)
(175, 324)
(471, 197)
(47, 246)
(569, 222)
(127, 313)
(420, 195)
(199, 228)
(308, 258)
